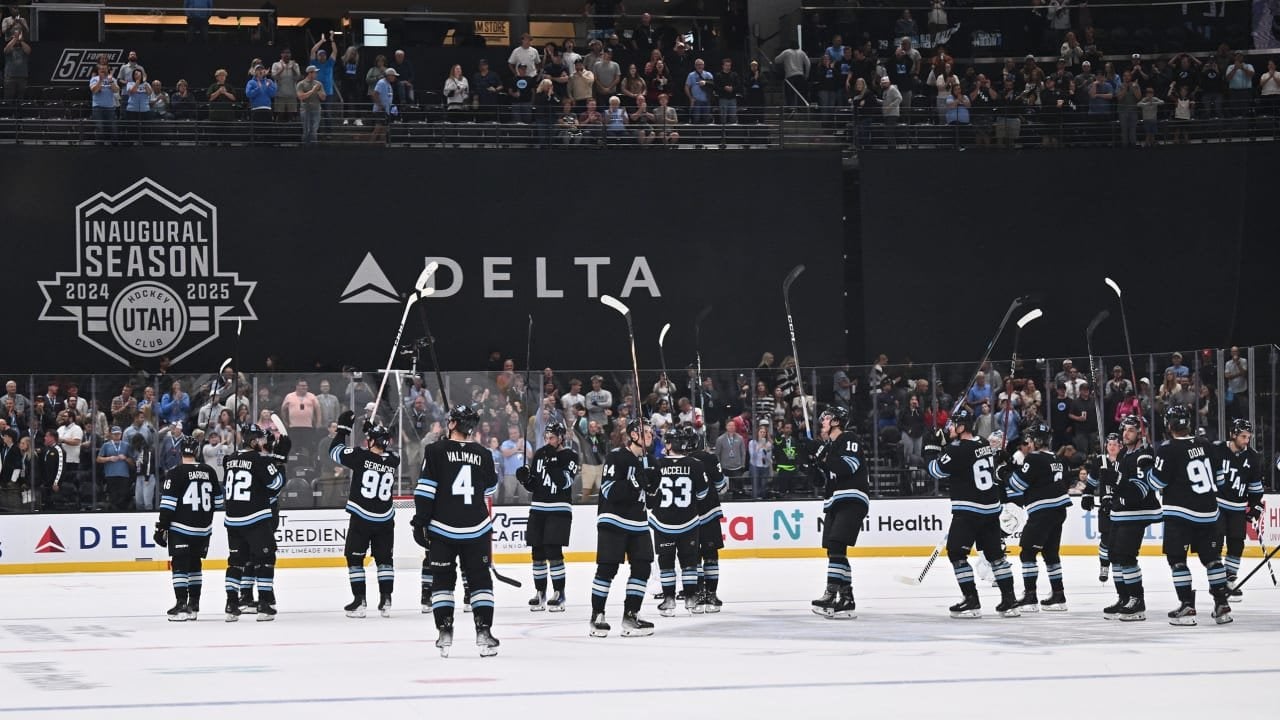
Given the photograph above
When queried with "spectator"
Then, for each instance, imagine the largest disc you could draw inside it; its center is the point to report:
(384, 108)
(1177, 368)
(138, 102)
(1149, 106)
(886, 406)
(524, 55)
(322, 58)
(74, 400)
(615, 121)
(117, 471)
(957, 109)
(633, 87)
(1082, 416)
(1060, 416)
(697, 88)
(1240, 84)
(761, 450)
(1127, 103)
(13, 23)
(301, 413)
(404, 77)
(985, 425)
(728, 87)
(521, 93)
(1236, 373)
(642, 120)
(569, 56)
(937, 17)
(20, 402)
(1183, 111)
(374, 74)
(591, 121)
(1065, 373)
(221, 99)
(661, 417)
(104, 88)
(891, 101)
(1211, 86)
(979, 393)
(310, 96)
(515, 454)
(732, 453)
(665, 121)
(160, 102)
(182, 103)
(608, 76)
(593, 446)
(644, 37)
(175, 404)
(261, 92)
(690, 415)
(140, 428)
(351, 89)
(198, 12)
(1269, 87)
(567, 125)
(485, 87)
(70, 437)
(457, 91)
(573, 397)
(17, 54)
(911, 425)
(286, 73)
(795, 71)
(1129, 405)
(1008, 421)
(754, 99)
(657, 80)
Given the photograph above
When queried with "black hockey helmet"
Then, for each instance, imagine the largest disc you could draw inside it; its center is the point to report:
(1177, 418)
(1131, 421)
(249, 432)
(963, 416)
(635, 425)
(1240, 425)
(839, 415)
(556, 428)
(1038, 434)
(378, 435)
(1113, 437)
(464, 419)
(190, 446)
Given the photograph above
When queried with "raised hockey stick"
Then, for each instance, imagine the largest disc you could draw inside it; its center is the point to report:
(528, 364)
(697, 349)
(662, 353)
(1096, 371)
(1265, 561)
(795, 354)
(1017, 332)
(1022, 322)
(933, 557)
(615, 304)
(1124, 323)
(420, 290)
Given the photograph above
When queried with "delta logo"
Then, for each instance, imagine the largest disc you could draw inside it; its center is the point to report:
(50, 542)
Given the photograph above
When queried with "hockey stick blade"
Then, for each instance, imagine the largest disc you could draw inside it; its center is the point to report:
(420, 287)
(1097, 320)
(908, 580)
(1114, 287)
(503, 578)
(275, 420)
(223, 367)
(663, 335)
(1029, 317)
(791, 277)
(616, 304)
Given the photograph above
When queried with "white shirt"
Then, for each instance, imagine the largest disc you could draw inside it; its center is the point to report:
(568, 400)
(1270, 84)
(525, 56)
(70, 431)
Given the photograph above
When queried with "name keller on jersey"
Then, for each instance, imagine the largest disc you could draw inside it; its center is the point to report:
(147, 281)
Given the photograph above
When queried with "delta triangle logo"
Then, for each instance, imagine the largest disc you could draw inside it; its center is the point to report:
(50, 542)
(369, 285)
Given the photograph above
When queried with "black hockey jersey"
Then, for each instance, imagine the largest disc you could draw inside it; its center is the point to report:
(709, 512)
(970, 466)
(1135, 500)
(622, 484)
(190, 494)
(252, 481)
(674, 499)
(454, 488)
(551, 479)
(1185, 476)
(845, 471)
(1239, 476)
(373, 478)
(1037, 484)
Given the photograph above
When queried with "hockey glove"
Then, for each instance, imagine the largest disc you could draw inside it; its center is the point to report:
(1255, 511)
(522, 477)
(1004, 472)
(420, 532)
(346, 420)
(652, 480)
(1086, 502)
(161, 535)
(282, 447)
(1145, 463)
(1108, 502)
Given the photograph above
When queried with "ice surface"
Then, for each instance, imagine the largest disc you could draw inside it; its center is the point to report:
(97, 645)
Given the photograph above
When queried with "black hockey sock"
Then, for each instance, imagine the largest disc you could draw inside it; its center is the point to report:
(839, 572)
(1104, 555)
(1030, 575)
(557, 575)
(386, 579)
(355, 574)
(599, 593)
(964, 577)
(1132, 582)
(690, 578)
(635, 593)
(180, 587)
(426, 576)
(540, 575)
(483, 615)
(195, 581)
(266, 584)
(232, 582)
(1055, 576)
(442, 607)
(1217, 576)
(1182, 582)
(1006, 585)
(193, 595)
(667, 577)
(711, 575)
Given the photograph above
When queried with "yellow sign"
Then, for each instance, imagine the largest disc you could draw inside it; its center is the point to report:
(495, 30)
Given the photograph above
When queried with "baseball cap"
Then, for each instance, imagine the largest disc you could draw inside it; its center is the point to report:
(884, 80)
(1117, 367)
(312, 68)
(391, 72)
(1066, 362)
(115, 429)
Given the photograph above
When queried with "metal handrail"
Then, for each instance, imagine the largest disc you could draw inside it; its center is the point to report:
(517, 16)
(102, 7)
(983, 8)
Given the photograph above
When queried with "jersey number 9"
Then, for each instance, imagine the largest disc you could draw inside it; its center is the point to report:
(1200, 473)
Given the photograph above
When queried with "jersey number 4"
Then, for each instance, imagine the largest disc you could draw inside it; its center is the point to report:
(199, 496)
(376, 485)
(462, 484)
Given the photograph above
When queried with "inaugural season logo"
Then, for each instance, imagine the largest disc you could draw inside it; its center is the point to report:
(147, 281)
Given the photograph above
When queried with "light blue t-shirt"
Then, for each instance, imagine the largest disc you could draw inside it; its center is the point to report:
(699, 92)
(324, 73)
(115, 468)
(138, 102)
(101, 91)
(514, 461)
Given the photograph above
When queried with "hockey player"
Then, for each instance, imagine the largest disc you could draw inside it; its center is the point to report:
(842, 477)
(550, 514)
(622, 530)
(1098, 494)
(253, 479)
(968, 465)
(673, 506)
(1037, 484)
(1184, 473)
(1133, 506)
(452, 519)
(372, 522)
(188, 498)
(1239, 486)
(710, 537)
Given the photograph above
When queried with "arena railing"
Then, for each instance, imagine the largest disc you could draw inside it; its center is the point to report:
(893, 441)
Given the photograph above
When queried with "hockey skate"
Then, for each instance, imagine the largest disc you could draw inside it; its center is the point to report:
(1133, 610)
(1112, 612)
(711, 602)
(1056, 602)
(823, 605)
(1008, 607)
(233, 609)
(599, 628)
(843, 607)
(444, 640)
(487, 643)
(1104, 572)
(634, 626)
(1221, 607)
(556, 602)
(1234, 594)
(1029, 602)
(193, 605)
(667, 608)
(538, 602)
(266, 606)
(384, 606)
(1185, 614)
(967, 608)
(693, 603)
(426, 599)
(355, 608)
(248, 605)
(178, 613)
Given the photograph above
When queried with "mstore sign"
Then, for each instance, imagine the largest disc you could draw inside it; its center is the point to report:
(148, 279)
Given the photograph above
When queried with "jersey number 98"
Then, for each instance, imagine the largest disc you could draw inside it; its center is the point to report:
(376, 485)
